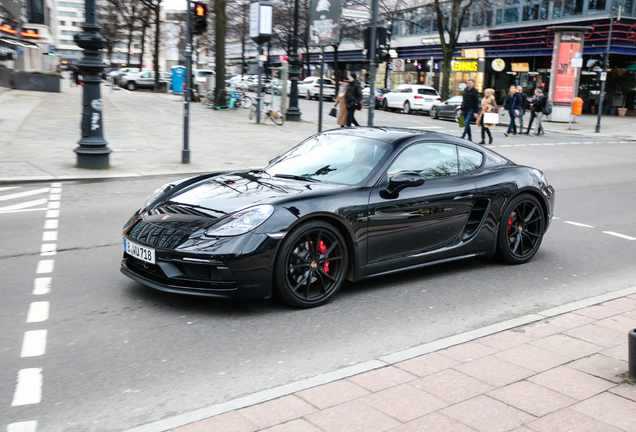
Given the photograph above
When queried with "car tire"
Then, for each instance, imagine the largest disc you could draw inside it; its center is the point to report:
(385, 105)
(311, 265)
(407, 108)
(131, 86)
(433, 113)
(520, 229)
(308, 95)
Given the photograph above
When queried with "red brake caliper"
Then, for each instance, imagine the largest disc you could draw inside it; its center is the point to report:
(322, 249)
(509, 226)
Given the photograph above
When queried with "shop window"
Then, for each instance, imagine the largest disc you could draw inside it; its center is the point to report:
(511, 15)
(531, 12)
(545, 10)
(478, 18)
(556, 11)
(598, 5)
(572, 7)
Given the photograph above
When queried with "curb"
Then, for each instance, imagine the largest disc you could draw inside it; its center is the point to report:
(388, 360)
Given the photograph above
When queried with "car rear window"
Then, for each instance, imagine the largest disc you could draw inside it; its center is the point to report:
(326, 81)
(428, 92)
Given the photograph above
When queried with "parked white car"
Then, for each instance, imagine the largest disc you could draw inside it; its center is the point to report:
(310, 88)
(411, 97)
(200, 75)
(239, 82)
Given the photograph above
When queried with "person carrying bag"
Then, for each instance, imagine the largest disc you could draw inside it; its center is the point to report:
(487, 117)
(341, 112)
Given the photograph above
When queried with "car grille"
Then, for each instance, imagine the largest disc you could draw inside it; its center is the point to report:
(165, 237)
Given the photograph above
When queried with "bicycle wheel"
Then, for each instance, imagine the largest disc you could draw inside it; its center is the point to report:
(246, 101)
(277, 118)
(252, 111)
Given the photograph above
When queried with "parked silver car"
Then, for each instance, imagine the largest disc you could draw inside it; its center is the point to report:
(144, 79)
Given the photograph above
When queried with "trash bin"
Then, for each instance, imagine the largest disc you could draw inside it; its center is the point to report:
(178, 78)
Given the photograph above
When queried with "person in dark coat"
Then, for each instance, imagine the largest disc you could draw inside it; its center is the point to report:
(76, 75)
(353, 97)
(513, 104)
(470, 106)
(538, 103)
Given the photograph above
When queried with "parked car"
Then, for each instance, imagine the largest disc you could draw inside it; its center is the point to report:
(411, 97)
(379, 93)
(144, 79)
(310, 88)
(200, 75)
(238, 82)
(448, 109)
(120, 73)
(347, 204)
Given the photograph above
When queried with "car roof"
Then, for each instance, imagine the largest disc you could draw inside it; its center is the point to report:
(417, 86)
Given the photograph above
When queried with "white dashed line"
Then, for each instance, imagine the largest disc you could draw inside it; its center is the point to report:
(9, 188)
(505, 145)
(54, 204)
(535, 144)
(51, 224)
(587, 142)
(521, 145)
(575, 142)
(23, 205)
(24, 194)
(52, 213)
(49, 236)
(45, 266)
(578, 224)
(48, 249)
(27, 426)
(562, 143)
(548, 144)
(34, 343)
(554, 217)
(623, 236)
(38, 312)
(29, 388)
(42, 286)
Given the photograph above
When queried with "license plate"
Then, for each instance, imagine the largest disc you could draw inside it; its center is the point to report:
(141, 252)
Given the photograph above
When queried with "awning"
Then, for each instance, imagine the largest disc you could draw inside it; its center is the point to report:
(631, 67)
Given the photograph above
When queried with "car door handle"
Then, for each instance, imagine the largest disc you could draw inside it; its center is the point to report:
(463, 196)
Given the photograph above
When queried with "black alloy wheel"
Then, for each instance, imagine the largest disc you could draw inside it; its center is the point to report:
(311, 265)
(521, 230)
(433, 113)
(385, 105)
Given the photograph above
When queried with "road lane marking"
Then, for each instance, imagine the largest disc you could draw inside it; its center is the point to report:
(45, 266)
(521, 145)
(24, 194)
(8, 188)
(54, 197)
(56, 190)
(51, 224)
(52, 213)
(48, 249)
(426, 127)
(49, 236)
(578, 224)
(25, 426)
(505, 145)
(42, 286)
(56, 185)
(562, 143)
(23, 205)
(54, 204)
(29, 388)
(575, 142)
(612, 233)
(34, 343)
(38, 312)
(548, 144)
(535, 144)
(587, 142)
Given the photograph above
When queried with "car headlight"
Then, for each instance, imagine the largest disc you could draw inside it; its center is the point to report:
(241, 222)
(156, 194)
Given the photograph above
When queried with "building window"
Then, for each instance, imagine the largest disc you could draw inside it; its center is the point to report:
(62, 23)
(68, 32)
(77, 24)
(598, 5)
(531, 12)
(511, 15)
(35, 11)
(572, 7)
(67, 14)
(71, 5)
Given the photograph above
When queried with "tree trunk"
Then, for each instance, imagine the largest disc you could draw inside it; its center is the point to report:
(446, 71)
(219, 40)
(143, 45)
(156, 56)
(336, 68)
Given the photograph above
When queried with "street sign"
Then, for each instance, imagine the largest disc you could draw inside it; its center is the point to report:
(603, 76)
(51, 48)
(324, 22)
(20, 51)
(260, 21)
(262, 57)
(398, 65)
(576, 62)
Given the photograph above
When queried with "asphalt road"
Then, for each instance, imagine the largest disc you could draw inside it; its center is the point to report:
(118, 354)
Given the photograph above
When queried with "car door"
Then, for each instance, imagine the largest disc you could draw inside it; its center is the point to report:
(451, 106)
(146, 79)
(419, 219)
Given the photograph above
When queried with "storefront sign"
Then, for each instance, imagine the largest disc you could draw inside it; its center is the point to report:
(569, 48)
(520, 67)
(464, 65)
(498, 65)
(473, 53)
(324, 22)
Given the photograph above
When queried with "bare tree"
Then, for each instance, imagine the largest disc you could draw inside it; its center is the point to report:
(155, 9)
(109, 21)
(220, 32)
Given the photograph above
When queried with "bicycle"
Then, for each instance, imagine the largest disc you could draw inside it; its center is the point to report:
(271, 114)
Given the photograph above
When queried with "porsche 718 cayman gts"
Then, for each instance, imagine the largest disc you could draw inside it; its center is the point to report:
(345, 204)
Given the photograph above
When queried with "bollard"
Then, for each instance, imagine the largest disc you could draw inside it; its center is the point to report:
(631, 347)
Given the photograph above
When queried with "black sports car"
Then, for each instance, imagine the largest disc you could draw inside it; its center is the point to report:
(345, 204)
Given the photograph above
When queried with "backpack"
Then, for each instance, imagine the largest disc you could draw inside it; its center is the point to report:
(547, 109)
(525, 105)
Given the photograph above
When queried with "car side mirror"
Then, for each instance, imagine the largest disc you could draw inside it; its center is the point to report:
(273, 159)
(402, 180)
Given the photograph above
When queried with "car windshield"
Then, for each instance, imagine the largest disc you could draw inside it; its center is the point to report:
(202, 74)
(334, 158)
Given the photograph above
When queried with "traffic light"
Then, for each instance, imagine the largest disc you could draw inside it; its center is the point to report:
(200, 18)
(382, 46)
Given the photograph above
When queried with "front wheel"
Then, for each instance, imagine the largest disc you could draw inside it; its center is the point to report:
(520, 230)
(433, 113)
(277, 118)
(252, 112)
(311, 265)
(385, 105)
(407, 107)
(131, 86)
(247, 101)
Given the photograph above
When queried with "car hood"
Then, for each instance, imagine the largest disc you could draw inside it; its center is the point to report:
(213, 198)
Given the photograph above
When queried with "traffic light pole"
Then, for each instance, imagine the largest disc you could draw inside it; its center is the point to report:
(373, 59)
(185, 153)
(258, 89)
(605, 66)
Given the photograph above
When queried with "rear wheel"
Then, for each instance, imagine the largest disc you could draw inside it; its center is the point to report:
(246, 101)
(407, 107)
(131, 86)
(308, 95)
(521, 230)
(311, 265)
(277, 118)
(433, 113)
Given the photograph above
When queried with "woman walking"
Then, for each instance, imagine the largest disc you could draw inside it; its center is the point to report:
(341, 104)
(488, 105)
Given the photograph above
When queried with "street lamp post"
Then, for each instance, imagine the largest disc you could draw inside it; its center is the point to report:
(293, 112)
(93, 151)
(605, 66)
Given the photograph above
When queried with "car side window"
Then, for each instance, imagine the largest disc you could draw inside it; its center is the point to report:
(469, 159)
(430, 160)
(407, 90)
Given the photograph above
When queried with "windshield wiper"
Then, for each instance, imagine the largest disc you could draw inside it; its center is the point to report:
(296, 177)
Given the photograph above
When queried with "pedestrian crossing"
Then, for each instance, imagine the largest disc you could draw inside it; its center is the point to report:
(17, 199)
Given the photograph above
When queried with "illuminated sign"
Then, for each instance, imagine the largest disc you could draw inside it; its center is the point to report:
(466, 66)
(30, 33)
(8, 29)
(200, 10)
(498, 65)
(520, 67)
(473, 53)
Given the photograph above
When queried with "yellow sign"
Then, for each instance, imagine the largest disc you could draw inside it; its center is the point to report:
(473, 53)
(520, 67)
(465, 66)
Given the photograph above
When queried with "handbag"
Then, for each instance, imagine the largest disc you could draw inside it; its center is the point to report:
(491, 118)
(333, 112)
(462, 121)
(359, 106)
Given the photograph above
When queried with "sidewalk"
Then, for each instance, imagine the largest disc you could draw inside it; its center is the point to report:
(560, 370)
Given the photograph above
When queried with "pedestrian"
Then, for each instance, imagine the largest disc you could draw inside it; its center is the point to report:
(538, 103)
(470, 106)
(525, 105)
(341, 105)
(513, 105)
(488, 105)
(353, 97)
(76, 75)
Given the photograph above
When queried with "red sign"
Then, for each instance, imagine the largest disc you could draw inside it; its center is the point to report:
(565, 74)
(8, 29)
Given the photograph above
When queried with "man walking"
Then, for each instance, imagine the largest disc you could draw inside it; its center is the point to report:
(525, 105)
(538, 103)
(513, 105)
(470, 106)
(352, 98)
